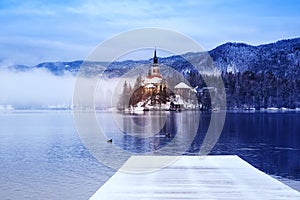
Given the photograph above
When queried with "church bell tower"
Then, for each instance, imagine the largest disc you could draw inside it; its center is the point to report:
(155, 68)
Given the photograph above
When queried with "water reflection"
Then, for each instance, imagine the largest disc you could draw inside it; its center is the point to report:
(42, 157)
(269, 141)
(159, 133)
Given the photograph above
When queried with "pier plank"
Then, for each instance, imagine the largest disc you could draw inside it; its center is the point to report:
(194, 177)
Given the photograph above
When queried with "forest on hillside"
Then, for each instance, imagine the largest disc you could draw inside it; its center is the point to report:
(255, 90)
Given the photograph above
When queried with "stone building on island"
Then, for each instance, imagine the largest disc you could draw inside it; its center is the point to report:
(152, 93)
(154, 83)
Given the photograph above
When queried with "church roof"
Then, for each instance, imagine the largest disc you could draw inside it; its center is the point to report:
(153, 79)
(150, 85)
(154, 76)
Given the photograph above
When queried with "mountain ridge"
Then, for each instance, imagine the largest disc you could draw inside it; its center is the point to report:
(282, 58)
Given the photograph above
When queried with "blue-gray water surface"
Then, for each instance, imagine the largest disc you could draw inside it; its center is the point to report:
(42, 157)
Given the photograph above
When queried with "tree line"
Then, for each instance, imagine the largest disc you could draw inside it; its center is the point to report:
(248, 89)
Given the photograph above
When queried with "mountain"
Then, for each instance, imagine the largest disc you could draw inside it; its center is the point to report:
(59, 68)
(282, 58)
(263, 76)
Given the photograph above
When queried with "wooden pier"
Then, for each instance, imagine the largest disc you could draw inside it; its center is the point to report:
(194, 177)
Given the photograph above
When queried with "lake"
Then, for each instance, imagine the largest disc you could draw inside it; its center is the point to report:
(42, 157)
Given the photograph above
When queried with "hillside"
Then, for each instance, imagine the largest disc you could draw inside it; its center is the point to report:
(281, 58)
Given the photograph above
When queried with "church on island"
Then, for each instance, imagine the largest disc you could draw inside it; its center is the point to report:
(153, 93)
(154, 82)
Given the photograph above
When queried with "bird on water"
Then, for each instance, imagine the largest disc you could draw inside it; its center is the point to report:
(109, 141)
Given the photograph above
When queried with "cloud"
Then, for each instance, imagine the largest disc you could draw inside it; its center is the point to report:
(65, 30)
(36, 31)
(31, 51)
(129, 9)
(37, 87)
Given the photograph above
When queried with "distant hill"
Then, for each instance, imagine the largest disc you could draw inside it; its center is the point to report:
(282, 58)
(264, 76)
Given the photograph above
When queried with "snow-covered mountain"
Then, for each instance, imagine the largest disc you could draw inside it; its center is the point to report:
(270, 76)
(281, 58)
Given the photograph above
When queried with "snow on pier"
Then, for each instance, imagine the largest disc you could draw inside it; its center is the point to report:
(194, 177)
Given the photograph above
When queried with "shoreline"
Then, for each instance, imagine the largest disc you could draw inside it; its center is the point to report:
(277, 110)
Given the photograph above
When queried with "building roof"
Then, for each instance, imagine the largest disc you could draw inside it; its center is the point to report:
(150, 85)
(153, 76)
(182, 85)
(153, 79)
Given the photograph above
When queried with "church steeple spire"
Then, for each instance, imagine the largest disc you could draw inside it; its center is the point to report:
(154, 70)
(155, 60)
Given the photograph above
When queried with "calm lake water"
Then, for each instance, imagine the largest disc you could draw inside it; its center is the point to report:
(42, 157)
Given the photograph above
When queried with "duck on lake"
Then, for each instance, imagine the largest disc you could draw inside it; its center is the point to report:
(109, 141)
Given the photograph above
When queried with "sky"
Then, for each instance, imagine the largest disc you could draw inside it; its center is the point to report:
(35, 31)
